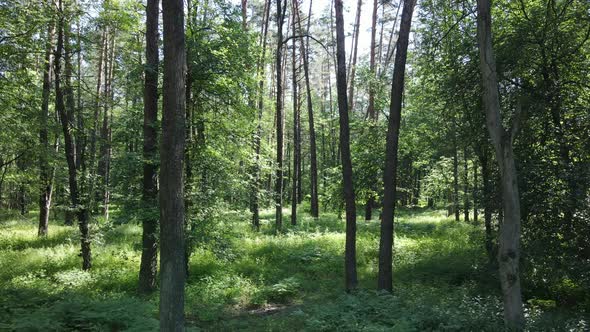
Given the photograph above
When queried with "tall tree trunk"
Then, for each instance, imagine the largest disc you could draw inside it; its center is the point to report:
(350, 245)
(45, 172)
(172, 262)
(390, 174)
(69, 143)
(466, 186)
(502, 139)
(105, 135)
(355, 45)
(371, 108)
(296, 133)
(312, 135)
(260, 71)
(279, 108)
(149, 253)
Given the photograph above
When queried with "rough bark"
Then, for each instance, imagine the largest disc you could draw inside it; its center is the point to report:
(350, 245)
(172, 240)
(391, 150)
(149, 253)
(296, 144)
(502, 140)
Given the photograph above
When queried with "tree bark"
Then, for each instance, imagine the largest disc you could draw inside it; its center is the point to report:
(45, 172)
(350, 245)
(279, 123)
(149, 254)
(296, 144)
(502, 139)
(172, 262)
(391, 151)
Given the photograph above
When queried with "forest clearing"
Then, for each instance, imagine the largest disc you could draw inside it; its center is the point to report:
(295, 165)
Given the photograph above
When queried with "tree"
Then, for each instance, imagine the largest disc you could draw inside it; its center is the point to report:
(149, 253)
(350, 245)
(357, 26)
(281, 8)
(315, 211)
(502, 140)
(63, 25)
(45, 171)
(296, 120)
(391, 151)
(171, 197)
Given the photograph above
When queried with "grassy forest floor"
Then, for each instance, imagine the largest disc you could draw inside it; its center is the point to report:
(242, 280)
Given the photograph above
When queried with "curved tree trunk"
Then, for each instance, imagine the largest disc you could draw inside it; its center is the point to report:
(502, 139)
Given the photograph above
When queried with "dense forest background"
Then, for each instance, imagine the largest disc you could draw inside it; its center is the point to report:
(277, 143)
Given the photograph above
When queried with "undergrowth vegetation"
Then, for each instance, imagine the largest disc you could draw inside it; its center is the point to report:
(243, 280)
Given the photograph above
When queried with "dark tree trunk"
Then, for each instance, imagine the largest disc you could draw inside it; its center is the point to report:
(296, 144)
(350, 246)
(172, 240)
(279, 123)
(45, 172)
(69, 144)
(487, 203)
(389, 177)
(502, 139)
(149, 253)
(312, 135)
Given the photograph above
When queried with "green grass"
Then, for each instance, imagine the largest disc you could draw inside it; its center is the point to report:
(243, 280)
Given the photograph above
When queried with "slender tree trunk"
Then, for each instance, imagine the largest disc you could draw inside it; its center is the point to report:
(279, 108)
(350, 245)
(296, 152)
(45, 172)
(371, 108)
(257, 138)
(391, 151)
(354, 56)
(312, 135)
(455, 173)
(172, 262)
(69, 144)
(466, 186)
(509, 250)
(149, 254)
